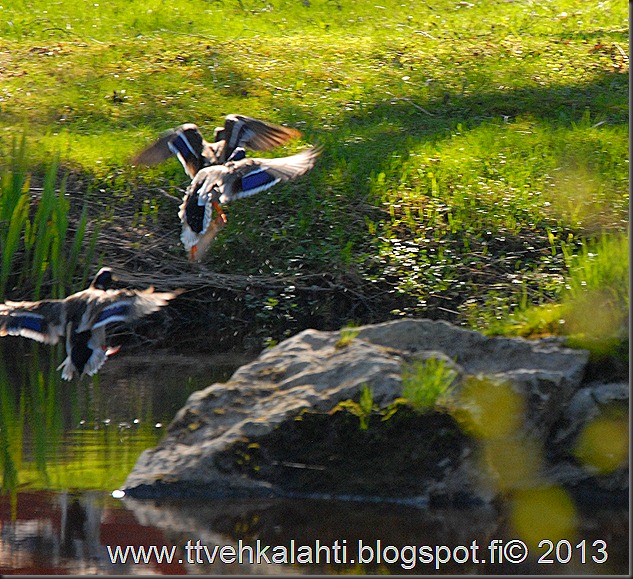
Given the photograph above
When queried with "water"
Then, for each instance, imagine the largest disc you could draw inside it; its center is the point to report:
(66, 446)
(78, 532)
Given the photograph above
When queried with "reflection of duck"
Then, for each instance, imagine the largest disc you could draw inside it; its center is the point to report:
(225, 183)
(194, 152)
(74, 527)
(82, 318)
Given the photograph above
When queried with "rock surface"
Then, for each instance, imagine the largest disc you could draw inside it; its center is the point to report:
(271, 429)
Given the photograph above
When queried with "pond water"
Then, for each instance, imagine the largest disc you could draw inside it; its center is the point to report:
(64, 447)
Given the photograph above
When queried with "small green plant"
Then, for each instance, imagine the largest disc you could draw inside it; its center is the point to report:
(423, 382)
(364, 408)
(595, 303)
(347, 335)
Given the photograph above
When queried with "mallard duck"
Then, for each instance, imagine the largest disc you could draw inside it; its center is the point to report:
(82, 318)
(194, 152)
(225, 183)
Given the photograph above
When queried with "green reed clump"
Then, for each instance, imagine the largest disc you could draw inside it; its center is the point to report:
(424, 381)
(37, 243)
(593, 306)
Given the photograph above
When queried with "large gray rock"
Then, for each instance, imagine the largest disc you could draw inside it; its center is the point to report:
(592, 403)
(229, 439)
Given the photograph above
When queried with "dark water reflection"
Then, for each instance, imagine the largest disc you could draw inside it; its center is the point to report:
(66, 532)
(65, 447)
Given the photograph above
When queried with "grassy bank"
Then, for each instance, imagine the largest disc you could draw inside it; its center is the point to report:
(470, 149)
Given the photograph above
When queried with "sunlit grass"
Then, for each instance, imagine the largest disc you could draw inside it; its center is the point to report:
(594, 305)
(109, 20)
(495, 198)
(424, 382)
(464, 142)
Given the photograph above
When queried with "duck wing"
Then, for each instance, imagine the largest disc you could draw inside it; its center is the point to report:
(157, 152)
(43, 321)
(185, 141)
(242, 131)
(250, 176)
(243, 178)
(122, 306)
(238, 131)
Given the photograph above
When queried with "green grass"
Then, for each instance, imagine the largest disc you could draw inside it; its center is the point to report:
(594, 304)
(363, 409)
(469, 147)
(426, 381)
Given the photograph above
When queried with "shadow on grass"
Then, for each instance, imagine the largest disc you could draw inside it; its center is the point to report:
(388, 127)
(282, 266)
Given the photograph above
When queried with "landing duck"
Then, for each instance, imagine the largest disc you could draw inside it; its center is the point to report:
(82, 317)
(241, 177)
(195, 153)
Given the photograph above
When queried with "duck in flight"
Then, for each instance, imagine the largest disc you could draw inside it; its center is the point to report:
(81, 317)
(194, 152)
(225, 183)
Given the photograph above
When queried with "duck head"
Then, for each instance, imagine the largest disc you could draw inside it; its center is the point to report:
(103, 280)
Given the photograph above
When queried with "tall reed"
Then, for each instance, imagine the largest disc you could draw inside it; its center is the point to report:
(37, 243)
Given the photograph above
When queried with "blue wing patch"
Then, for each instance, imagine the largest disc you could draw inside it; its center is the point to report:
(180, 145)
(117, 312)
(31, 322)
(258, 180)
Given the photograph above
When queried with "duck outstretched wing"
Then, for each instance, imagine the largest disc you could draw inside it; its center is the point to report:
(250, 176)
(123, 306)
(185, 142)
(243, 178)
(43, 321)
(157, 152)
(242, 131)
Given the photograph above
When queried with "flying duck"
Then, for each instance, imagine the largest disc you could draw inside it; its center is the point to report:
(235, 179)
(194, 152)
(82, 317)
